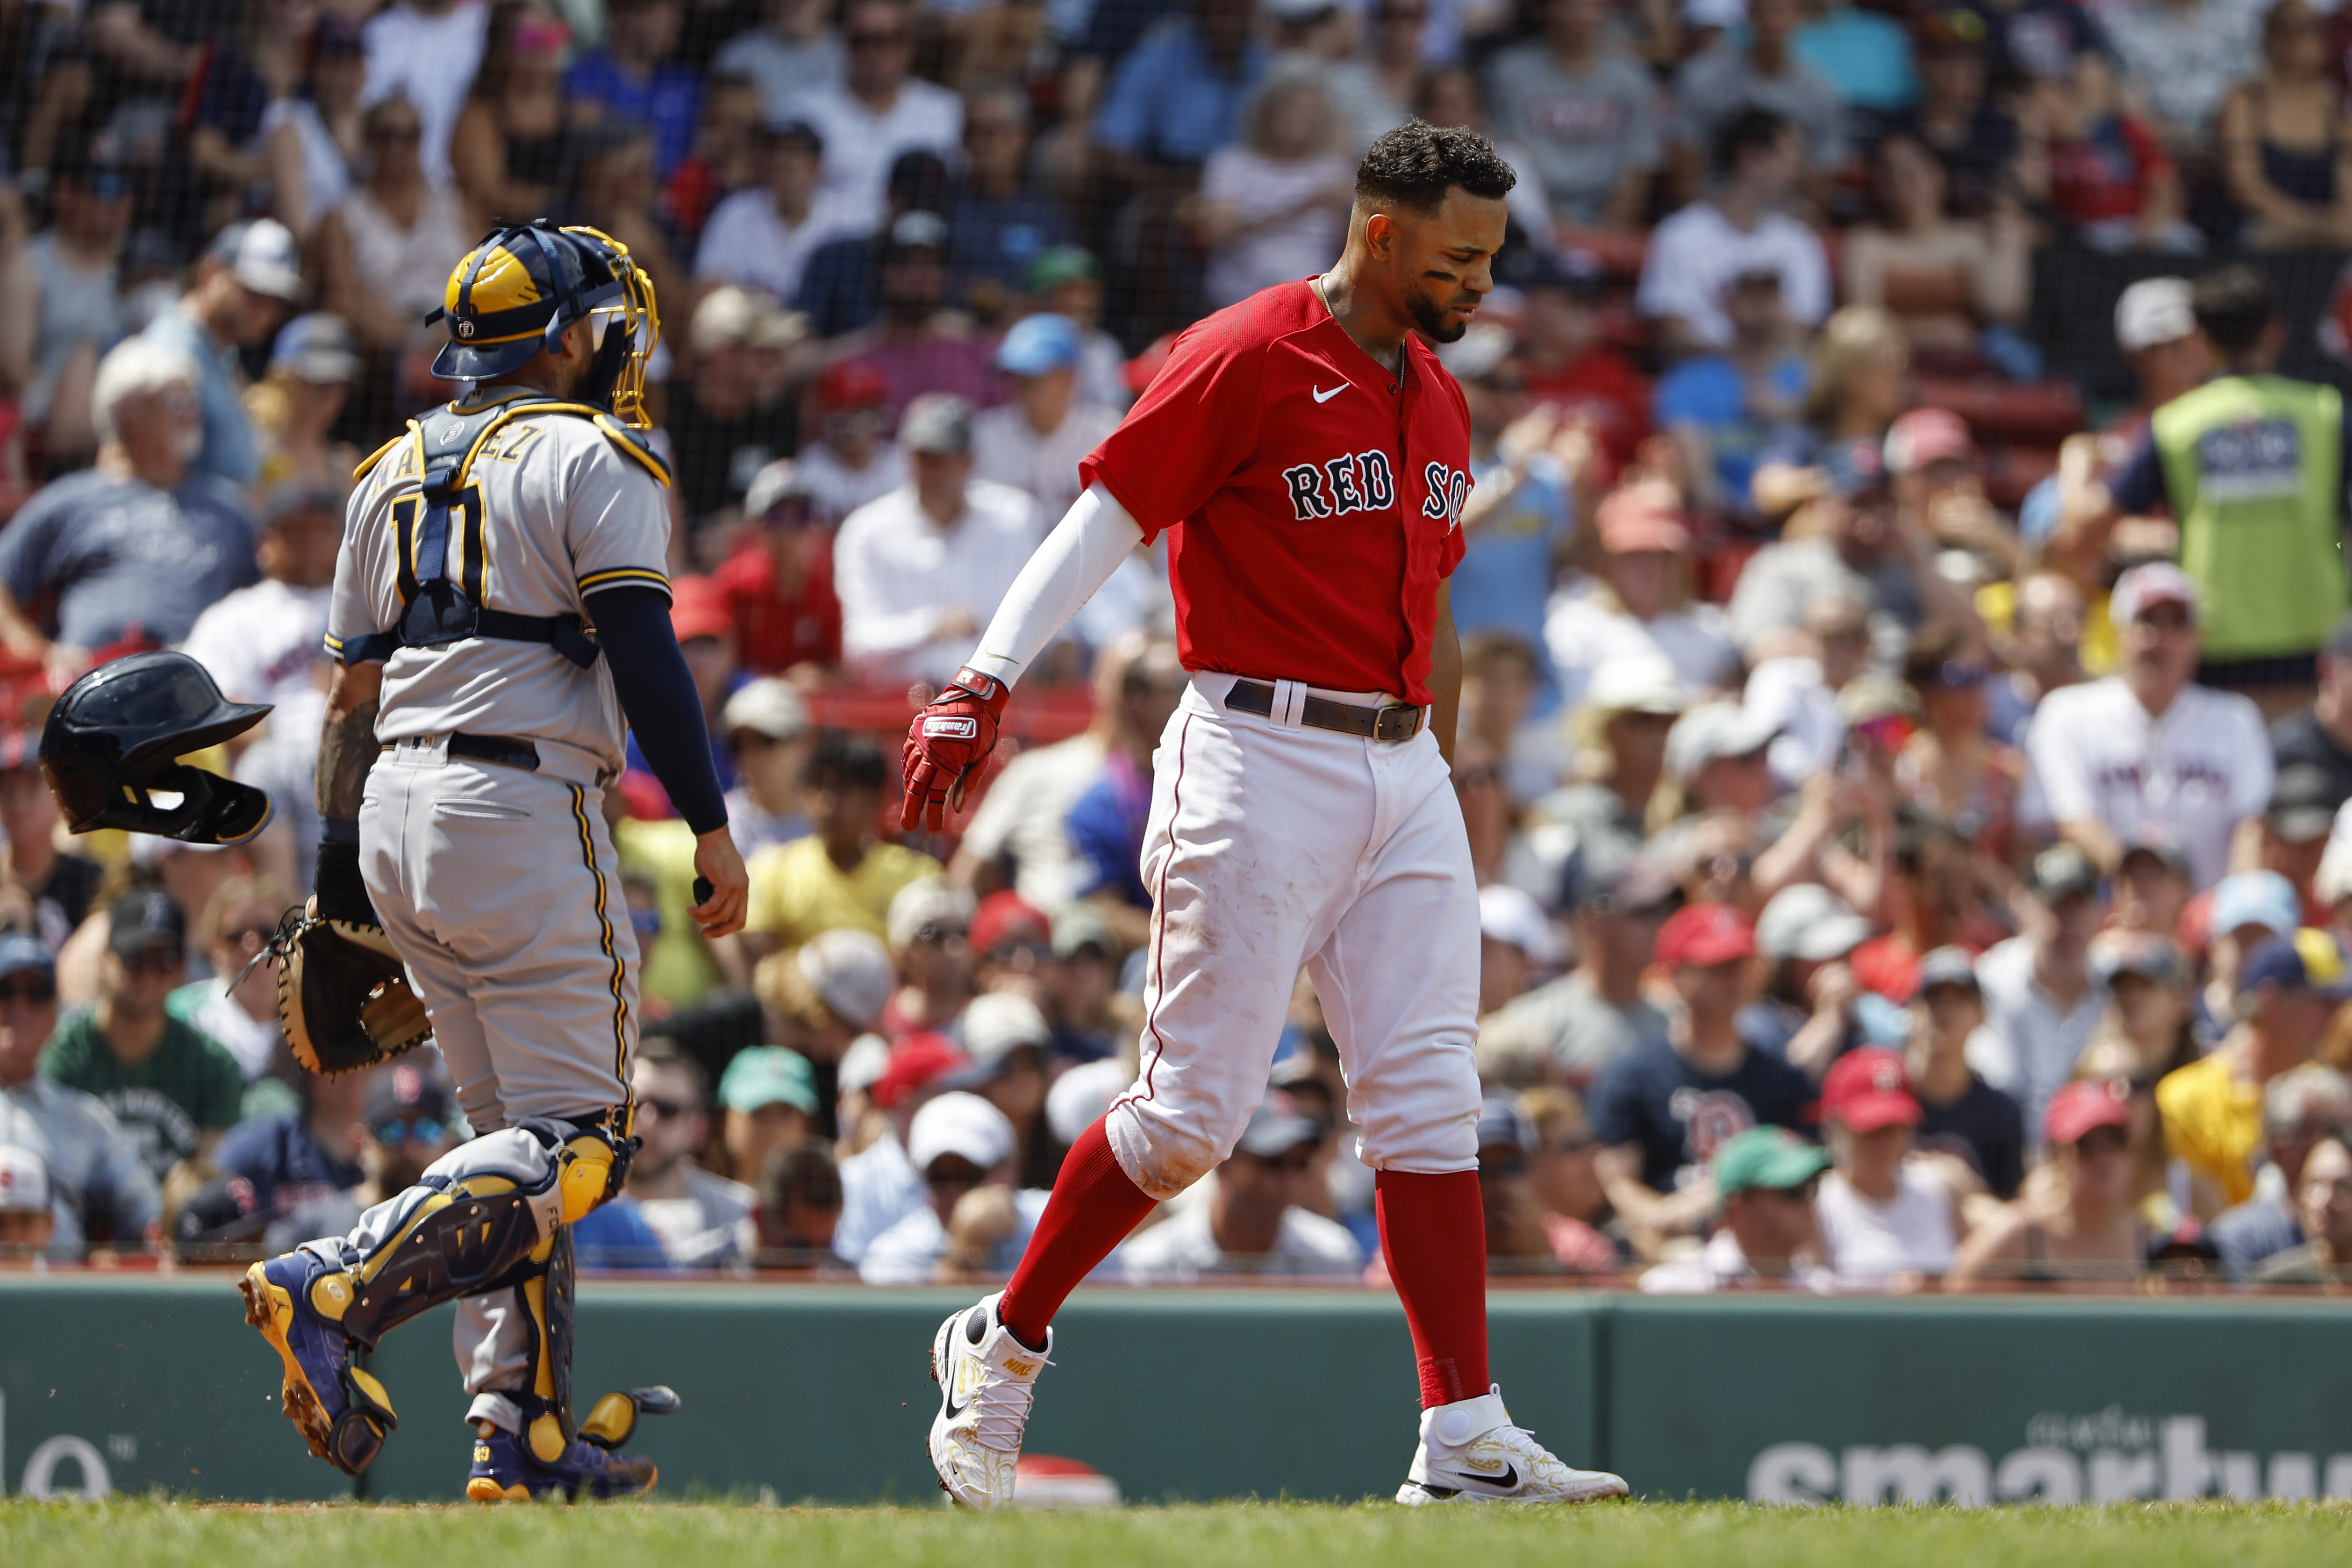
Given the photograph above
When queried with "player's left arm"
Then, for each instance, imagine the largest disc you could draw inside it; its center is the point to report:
(1444, 672)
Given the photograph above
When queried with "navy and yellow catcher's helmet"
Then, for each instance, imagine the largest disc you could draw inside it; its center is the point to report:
(516, 292)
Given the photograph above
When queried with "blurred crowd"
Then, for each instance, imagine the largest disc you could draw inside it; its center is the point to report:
(1907, 839)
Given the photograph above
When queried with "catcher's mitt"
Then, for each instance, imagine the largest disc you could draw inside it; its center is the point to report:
(342, 993)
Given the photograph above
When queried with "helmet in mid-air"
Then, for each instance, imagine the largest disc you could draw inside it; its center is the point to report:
(113, 743)
(515, 293)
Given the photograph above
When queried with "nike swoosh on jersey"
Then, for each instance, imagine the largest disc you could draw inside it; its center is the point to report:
(1323, 396)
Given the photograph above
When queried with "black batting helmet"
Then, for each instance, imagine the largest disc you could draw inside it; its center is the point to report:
(114, 739)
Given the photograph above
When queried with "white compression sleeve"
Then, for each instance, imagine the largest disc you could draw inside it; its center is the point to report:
(1078, 557)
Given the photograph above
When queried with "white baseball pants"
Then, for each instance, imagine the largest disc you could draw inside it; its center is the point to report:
(1271, 846)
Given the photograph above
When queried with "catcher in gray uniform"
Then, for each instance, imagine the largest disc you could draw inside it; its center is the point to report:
(499, 605)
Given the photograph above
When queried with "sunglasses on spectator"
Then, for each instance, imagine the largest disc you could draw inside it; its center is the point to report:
(667, 1109)
(420, 1130)
(153, 961)
(948, 1181)
(33, 992)
(2102, 1140)
(1955, 676)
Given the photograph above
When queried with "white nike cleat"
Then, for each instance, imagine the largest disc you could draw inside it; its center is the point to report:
(986, 1379)
(1470, 1452)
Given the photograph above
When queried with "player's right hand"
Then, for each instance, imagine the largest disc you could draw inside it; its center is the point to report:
(946, 746)
(721, 886)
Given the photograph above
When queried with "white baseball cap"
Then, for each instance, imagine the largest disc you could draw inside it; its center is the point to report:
(850, 969)
(863, 1064)
(928, 902)
(1715, 730)
(1508, 915)
(1000, 1022)
(24, 1180)
(2152, 583)
(1807, 920)
(963, 1124)
(2154, 310)
(1636, 683)
(261, 255)
(769, 707)
(1080, 1096)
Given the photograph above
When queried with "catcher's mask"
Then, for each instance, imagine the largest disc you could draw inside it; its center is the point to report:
(516, 292)
(113, 743)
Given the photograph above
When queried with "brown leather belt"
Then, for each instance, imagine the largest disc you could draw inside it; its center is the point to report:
(1396, 722)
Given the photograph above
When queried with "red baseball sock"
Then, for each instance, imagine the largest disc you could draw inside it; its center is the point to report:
(1093, 1207)
(1434, 1230)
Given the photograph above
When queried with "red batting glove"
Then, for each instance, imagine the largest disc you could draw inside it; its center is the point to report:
(947, 745)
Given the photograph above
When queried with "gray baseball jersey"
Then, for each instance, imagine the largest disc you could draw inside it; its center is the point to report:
(554, 509)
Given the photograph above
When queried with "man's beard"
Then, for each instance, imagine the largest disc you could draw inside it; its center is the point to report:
(1430, 316)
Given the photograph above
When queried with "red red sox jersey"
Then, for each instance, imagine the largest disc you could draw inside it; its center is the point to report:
(1318, 507)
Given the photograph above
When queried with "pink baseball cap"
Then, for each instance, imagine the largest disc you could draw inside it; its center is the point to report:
(2083, 1105)
(1927, 436)
(2152, 583)
(1705, 934)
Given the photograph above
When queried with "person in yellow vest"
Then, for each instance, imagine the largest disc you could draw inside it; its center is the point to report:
(2253, 465)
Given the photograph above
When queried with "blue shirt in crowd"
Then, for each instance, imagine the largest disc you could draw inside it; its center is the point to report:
(1106, 828)
(1865, 56)
(1168, 101)
(229, 451)
(282, 1157)
(1709, 395)
(120, 554)
(667, 103)
(1505, 574)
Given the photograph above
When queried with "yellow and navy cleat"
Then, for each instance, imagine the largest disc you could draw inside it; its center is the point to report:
(506, 1470)
(297, 1303)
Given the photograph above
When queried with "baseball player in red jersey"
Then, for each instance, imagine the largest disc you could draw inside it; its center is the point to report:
(1309, 459)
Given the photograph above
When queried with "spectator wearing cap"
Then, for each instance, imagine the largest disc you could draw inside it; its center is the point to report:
(792, 50)
(2146, 744)
(2288, 989)
(1939, 486)
(1254, 1219)
(1106, 822)
(27, 1207)
(2301, 1107)
(1564, 352)
(406, 1117)
(841, 282)
(2080, 1227)
(1568, 1189)
(1767, 1233)
(1571, 1030)
(174, 1091)
(2321, 1198)
(2295, 827)
(817, 999)
(632, 79)
(762, 236)
(2320, 736)
(66, 297)
(1067, 281)
(921, 570)
(1081, 986)
(1758, 160)
(704, 1220)
(1864, 547)
(929, 923)
(2041, 998)
(1620, 729)
(1726, 408)
(879, 1186)
(1521, 512)
(247, 279)
(1583, 106)
(767, 736)
(878, 110)
(963, 1151)
(840, 874)
(1805, 1015)
(1950, 767)
(799, 1212)
(778, 583)
(2150, 1004)
(297, 404)
(2245, 910)
(915, 346)
(1890, 1217)
(1960, 1114)
(2249, 464)
(1012, 942)
(60, 883)
(729, 416)
(1000, 217)
(1638, 603)
(1508, 1143)
(1971, 134)
(768, 1098)
(127, 553)
(706, 636)
(1516, 944)
(100, 1187)
(1008, 1041)
(850, 463)
(1036, 442)
(1662, 1111)
(2154, 882)
(1716, 761)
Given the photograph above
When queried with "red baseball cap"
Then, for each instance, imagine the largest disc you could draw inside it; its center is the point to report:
(1927, 436)
(852, 385)
(916, 1062)
(1868, 1090)
(697, 609)
(2086, 1104)
(1705, 934)
(1007, 916)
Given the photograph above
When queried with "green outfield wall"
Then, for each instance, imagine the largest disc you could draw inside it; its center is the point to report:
(816, 1392)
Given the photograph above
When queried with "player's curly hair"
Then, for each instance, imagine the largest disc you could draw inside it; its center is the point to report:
(1414, 165)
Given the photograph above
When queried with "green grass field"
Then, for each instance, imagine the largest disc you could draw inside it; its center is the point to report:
(1294, 1535)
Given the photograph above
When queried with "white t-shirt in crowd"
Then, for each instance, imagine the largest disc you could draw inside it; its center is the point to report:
(707, 1228)
(1261, 189)
(1811, 730)
(1695, 252)
(1870, 1242)
(262, 644)
(1182, 1248)
(839, 489)
(2200, 767)
(1007, 449)
(1585, 630)
(2028, 1046)
(860, 144)
(430, 61)
(908, 1252)
(749, 243)
(879, 1187)
(1023, 815)
(898, 573)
